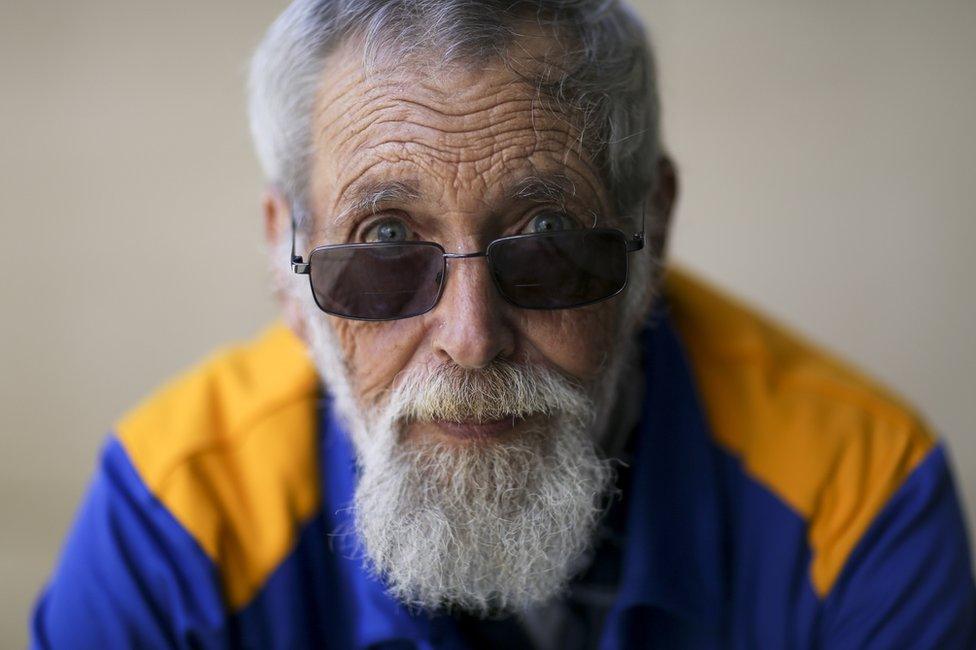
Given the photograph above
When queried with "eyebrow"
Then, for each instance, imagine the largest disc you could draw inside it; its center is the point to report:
(546, 187)
(371, 196)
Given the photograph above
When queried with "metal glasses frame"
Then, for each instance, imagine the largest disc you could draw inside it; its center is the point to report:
(634, 243)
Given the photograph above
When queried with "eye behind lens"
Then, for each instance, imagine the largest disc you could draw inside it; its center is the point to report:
(560, 270)
(388, 230)
(551, 221)
(377, 281)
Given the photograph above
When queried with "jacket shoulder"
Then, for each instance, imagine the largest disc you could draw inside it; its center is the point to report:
(830, 443)
(229, 448)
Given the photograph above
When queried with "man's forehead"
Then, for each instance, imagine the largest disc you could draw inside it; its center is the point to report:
(392, 133)
(416, 87)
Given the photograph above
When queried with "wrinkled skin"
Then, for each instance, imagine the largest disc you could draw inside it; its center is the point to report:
(465, 139)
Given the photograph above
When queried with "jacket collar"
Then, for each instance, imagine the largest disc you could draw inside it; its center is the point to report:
(673, 559)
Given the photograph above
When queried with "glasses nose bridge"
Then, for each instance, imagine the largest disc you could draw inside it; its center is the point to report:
(464, 256)
(468, 256)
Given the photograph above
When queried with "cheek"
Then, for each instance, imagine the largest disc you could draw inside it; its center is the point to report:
(577, 341)
(375, 352)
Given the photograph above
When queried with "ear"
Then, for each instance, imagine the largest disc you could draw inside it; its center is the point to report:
(662, 199)
(660, 206)
(277, 231)
(277, 217)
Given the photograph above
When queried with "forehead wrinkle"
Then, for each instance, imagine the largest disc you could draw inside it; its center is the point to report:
(487, 150)
(507, 128)
(355, 98)
(489, 104)
(365, 103)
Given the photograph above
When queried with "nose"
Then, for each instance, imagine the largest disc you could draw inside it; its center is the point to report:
(471, 325)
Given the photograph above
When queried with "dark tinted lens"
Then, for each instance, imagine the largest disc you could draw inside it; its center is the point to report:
(561, 269)
(376, 281)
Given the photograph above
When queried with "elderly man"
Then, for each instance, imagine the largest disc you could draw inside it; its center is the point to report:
(491, 416)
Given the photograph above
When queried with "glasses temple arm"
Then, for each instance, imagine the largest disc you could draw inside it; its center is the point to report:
(298, 265)
(636, 242)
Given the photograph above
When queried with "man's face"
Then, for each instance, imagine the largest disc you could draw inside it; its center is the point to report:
(468, 157)
(475, 423)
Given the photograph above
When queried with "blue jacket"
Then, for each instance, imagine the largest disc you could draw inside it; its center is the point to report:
(778, 500)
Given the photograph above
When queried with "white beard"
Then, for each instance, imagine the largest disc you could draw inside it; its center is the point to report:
(489, 525)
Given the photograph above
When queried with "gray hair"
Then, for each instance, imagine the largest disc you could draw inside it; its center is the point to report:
(607, 77)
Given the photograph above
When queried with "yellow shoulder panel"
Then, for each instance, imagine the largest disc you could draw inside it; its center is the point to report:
(230, 449)
(827, 441)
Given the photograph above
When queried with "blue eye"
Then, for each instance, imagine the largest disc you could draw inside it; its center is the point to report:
(388, 230)
(551, 220)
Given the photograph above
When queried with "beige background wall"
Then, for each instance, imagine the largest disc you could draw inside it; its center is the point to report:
(828, 156)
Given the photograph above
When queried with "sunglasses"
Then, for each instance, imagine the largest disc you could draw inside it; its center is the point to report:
(391, 280)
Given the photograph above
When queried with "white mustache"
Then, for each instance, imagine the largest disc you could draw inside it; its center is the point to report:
(501, 390)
